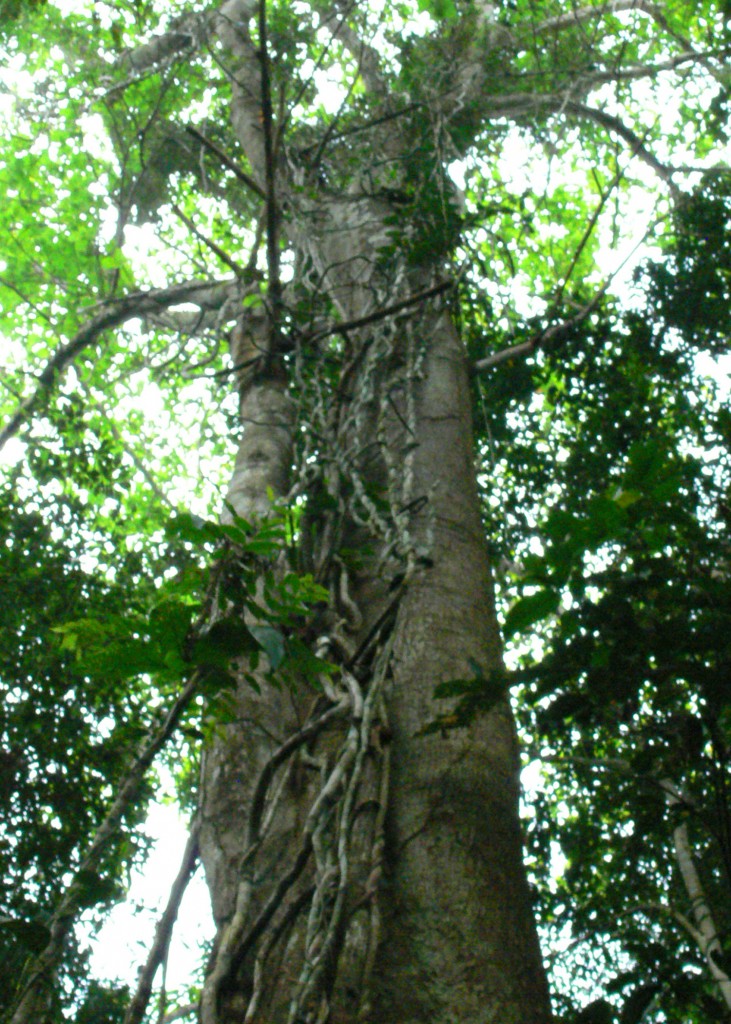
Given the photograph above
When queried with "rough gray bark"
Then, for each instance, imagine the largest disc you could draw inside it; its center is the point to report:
(459, 941)
(359, 870)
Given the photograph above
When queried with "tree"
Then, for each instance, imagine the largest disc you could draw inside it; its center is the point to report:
(332, 645)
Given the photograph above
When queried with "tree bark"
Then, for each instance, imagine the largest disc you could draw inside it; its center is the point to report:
(458, 936)
(361, 870)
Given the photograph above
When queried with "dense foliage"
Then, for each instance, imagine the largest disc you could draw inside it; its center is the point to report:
(602, 428)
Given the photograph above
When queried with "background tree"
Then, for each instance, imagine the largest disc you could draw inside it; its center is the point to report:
(380, 223)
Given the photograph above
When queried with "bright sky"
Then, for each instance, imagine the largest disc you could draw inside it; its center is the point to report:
(121, 946)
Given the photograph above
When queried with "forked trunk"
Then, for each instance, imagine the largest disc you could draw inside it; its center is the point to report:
(362, 870)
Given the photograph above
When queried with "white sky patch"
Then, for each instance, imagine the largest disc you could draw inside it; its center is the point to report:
(121, 946)
(12, 452)
(96, 141)
(718, 369)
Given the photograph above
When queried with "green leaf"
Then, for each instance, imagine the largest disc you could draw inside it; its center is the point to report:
(226, 639)
(90, 889)
(529, 610)
(440, 10)
(271, 641)
(32, 935)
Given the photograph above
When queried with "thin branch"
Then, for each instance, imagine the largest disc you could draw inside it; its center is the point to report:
(65, 913)
(515, 105)
(114, 313)
(556, 331)
(347, 325)
(603, 200)
(180, 1013)
(227, 161)
(213, 246)
(581, 14)
(553, 333)
(366, 56)
(380, 314)
(616, 125)
(164, 930)
(635, 71)
(123, 443)
(24, 298)
(654, 11)
(331, 128)
(274, 286)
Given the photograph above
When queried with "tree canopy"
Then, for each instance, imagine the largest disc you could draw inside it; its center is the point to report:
(566, 172)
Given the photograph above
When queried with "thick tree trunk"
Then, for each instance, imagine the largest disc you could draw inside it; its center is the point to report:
(458, 936)
(361, 870)
(455, 935)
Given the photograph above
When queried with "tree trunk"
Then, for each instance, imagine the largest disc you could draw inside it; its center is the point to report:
(360, 869)
(458, 937)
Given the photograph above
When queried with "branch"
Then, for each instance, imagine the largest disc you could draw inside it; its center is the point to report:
(515, 105)
(366, 56)
(553, 333)
(635, 71)
(25, 299)
(152, 483)
(379, 314)
(655, 11)
(274, 285)
(242, 69)
(206, 294)
(707, 938)
(558, 331)
(184, 34)
(582, 14)
(180, 1013)
(616, 125)
(213, 246)
(164, 930)
(227, 162)
(603, 200)
(65, 914)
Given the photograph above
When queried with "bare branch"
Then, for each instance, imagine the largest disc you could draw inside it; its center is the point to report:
(227, 162)
(582, 14)
(208, 242)
(163, 931)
